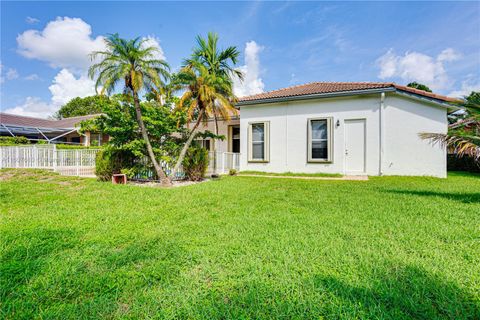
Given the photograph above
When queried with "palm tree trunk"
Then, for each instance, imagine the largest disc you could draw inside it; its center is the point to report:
(164, 180)
(189, 141)
(215, 145)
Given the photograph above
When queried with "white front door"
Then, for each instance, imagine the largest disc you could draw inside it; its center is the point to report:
(355, 146)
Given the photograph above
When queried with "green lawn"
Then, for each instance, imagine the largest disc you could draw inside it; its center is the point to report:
(240, 247)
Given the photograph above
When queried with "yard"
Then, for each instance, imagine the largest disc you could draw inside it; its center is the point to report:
(240, 247)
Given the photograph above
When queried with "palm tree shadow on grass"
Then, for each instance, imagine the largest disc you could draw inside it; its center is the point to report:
(404, 293)
(464, 197)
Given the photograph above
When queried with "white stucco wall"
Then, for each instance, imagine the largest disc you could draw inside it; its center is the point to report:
(404, 153)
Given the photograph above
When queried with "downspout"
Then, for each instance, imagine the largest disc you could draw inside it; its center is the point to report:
(381, 134)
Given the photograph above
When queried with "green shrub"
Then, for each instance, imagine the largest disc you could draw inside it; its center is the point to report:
(195, 163)
(232, 172)
(11, 141)
(110, 161)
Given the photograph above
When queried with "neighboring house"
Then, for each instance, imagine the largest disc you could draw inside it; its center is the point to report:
(52, 131)
(346, 128)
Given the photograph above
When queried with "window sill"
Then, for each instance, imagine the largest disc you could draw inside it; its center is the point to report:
(258, 161)
(319, 161)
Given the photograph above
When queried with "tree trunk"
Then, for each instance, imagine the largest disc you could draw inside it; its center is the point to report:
(164, 180)
(215, 146)
(189, 141)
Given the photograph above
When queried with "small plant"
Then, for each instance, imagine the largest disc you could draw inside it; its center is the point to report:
(11, 141)
(232, 172)
(195, 163)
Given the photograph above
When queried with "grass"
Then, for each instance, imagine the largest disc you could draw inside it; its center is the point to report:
(240, 247)
(290, 174)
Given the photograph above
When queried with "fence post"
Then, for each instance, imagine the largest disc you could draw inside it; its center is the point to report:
(54, 158)
(77, 162)
(223, 162)
(17, 156)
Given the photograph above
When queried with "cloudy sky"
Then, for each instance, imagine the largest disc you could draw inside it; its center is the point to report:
(45, 45)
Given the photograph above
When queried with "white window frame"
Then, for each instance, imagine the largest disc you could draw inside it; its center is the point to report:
(266, 142)
(329, 140)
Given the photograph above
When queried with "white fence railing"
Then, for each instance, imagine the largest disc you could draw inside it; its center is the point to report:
(69, 162)
(223, 162)
(81, 162)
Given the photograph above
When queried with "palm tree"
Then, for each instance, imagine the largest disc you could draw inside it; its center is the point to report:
(463, 137)
(134, 64)
(208, 79)
(207, 95)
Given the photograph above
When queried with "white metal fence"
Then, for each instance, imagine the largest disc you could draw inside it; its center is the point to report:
(69, 162)
(81, 162)
(223, 162)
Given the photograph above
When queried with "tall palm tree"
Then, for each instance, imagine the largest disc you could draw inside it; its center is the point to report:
(212, 68)
(206, 95)
(463, 137)
(132, 63)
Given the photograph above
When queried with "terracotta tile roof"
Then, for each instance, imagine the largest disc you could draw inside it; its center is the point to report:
(23, 121)
(336, 87)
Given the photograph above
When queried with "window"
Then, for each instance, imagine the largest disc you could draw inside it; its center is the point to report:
(258, 147)
(319, 140)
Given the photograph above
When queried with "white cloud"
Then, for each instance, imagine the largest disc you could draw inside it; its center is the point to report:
(252, 83)
(33, 107)
(31, 20)
(32, 77)
(467, 87)
(65, 43)
(449, 55)
(152, 41)
(66, 87)
(9, 75)
(415, 66)
(12, 74)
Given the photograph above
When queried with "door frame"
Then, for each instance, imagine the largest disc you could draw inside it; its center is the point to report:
(364, 172)
(230, 136)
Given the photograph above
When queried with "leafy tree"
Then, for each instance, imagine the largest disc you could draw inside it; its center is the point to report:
(132, 63)
(463, 137)
(206, 78)
(419, 86)
(82, 106)
(119, 122)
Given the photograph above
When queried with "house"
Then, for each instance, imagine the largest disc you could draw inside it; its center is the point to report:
(347, 128)
(51, 131)
(357, 128)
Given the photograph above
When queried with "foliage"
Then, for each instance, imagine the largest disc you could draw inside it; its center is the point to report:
(11, 141)
(119, 122)
(419, 86)
(82, 106)
(136, 66)
(195, 163)
(239, 248)
(207, 81)
(75, 146)
(232, 172)
(463, 137)
(454, 163)
(111, 160)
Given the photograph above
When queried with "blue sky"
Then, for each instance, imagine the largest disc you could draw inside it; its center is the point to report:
(44, 44)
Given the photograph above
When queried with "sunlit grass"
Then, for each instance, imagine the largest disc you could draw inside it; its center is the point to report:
(240, 247)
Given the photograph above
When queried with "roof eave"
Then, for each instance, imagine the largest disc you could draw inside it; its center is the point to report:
(449, 106)
(315, 96)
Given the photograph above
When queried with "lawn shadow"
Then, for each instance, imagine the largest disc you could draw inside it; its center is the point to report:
(26, 255)
(464, 197)
(404, 293)
(399, 293)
